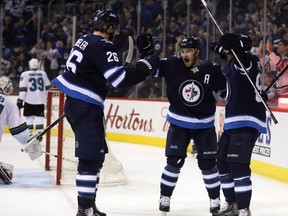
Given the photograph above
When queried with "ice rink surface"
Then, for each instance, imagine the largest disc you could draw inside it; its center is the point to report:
(34, 193)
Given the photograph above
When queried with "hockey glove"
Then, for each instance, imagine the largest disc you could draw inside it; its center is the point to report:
(216, 48)
(148, 64)
(33, 146)
(230, 41)
(145, 44)
(20, 103)
(264, 96)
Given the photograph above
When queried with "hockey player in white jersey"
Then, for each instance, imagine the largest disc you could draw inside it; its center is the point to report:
(9, 115)
(33, 88)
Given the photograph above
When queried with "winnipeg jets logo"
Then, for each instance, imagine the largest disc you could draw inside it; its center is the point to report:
(191, 91)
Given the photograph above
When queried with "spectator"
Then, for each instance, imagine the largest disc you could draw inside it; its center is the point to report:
(281, 62)
(53, 55)
(272, 94)
(255, 42)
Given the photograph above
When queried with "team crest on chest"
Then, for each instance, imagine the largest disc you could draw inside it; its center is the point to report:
(191, 91)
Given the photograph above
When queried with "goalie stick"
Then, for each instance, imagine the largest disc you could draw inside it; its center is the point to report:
(130, 51)
(241, 64)
(39, 136)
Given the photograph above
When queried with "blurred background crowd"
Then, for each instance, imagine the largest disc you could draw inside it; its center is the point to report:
(46, 30)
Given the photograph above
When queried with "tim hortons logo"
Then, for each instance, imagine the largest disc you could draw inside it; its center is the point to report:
(132, 120)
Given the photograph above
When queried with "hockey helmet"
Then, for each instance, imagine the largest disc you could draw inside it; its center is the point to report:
(102, 20)
(190, 42)
(245, 42)
(6, 85)
(33, 64)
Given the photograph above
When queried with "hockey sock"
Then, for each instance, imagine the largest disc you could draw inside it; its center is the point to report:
(227, 184)
(169, 180)
(227, 181)
(243, 184)
(212, 182)
(243, 192)
(86, 186)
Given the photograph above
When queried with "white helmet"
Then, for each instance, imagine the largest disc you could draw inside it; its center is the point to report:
(6, 85)
(33, 64)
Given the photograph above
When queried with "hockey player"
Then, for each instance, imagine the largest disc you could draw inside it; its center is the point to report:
(190, 86)
(33, 88)
(9, 115)
(245, 119)
(92, 62)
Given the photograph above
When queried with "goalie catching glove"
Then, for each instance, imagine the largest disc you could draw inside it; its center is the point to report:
(33, 146)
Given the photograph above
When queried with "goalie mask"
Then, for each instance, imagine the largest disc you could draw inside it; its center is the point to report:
(6, 86)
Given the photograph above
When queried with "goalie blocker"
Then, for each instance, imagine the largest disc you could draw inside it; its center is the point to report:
(33, 147)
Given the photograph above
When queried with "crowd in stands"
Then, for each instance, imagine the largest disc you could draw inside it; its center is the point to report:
(52, 47)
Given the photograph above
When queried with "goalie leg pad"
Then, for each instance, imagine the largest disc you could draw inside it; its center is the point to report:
(4, 176)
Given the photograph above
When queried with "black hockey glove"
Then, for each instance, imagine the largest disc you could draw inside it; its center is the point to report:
(20, 103)
(230, 41)
(216, 48)
(148, 64)
(145, 44)
(264, 96)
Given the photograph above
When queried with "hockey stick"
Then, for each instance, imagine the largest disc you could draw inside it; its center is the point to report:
(130, 51)
(39, 136)
(56, 156)
(241, 64)
(276, 79)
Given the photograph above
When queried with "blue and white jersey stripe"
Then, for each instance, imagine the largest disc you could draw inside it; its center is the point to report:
(244, 121)
(115, 75)
(190, 122)
(78, 92)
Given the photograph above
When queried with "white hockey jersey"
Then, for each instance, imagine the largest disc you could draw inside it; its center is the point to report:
(9, 115)
(33, 87)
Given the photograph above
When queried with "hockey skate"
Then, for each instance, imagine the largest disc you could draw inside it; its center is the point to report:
(244, 212)
(227, 210)
(97, 212)
(85, 212)
(164, 204)
(214, 206)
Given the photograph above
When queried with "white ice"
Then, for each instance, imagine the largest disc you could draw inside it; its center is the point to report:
(34, 193)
